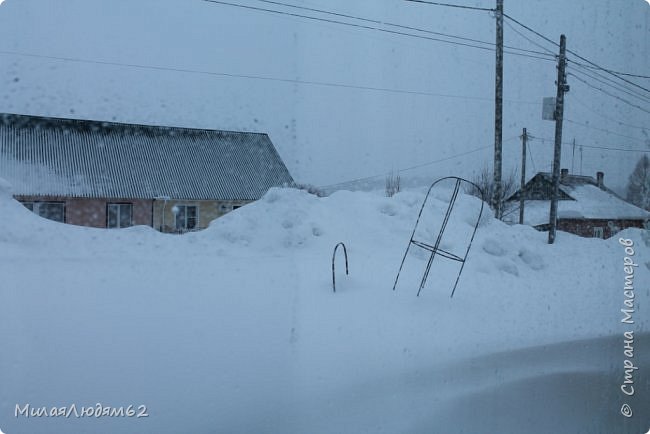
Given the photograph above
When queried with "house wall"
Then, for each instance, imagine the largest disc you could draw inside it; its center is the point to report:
(585, 228)
(92, 211)
(208, 210)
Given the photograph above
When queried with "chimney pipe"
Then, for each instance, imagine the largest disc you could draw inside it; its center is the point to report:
(563, 174)
(599, 179)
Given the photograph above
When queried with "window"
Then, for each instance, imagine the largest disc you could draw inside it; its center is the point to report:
(119, 215)
(49, 210)
(599, 232)
(187, 217)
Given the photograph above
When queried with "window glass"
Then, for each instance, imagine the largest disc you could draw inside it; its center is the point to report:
(119, 215)
(126, 215)
(187, 217)
(52, 210)
(191, 217)
(598, 232)
(112, 213)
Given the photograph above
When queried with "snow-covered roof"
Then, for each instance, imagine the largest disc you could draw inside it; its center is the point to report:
(81, 158)
(589, 202)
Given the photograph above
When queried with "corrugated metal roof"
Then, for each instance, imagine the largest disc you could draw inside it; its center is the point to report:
(81, 158)
(588, 202)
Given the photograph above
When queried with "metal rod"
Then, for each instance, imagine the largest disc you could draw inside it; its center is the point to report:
(435, 249)
(452, 201)
(345, 252)
(469, 246)
(524, 138)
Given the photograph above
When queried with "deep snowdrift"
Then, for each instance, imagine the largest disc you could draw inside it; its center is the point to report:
(236, 328)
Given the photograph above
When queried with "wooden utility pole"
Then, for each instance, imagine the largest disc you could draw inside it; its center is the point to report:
(562, 87)
(524, 139)
(498, 112)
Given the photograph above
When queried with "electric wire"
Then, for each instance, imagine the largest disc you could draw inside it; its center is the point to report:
(429, 163)
(593, 75)
(451, 5)
(605, 148)
(401, 26)
(593, 64)
(382, 30)
(546, 50)
(618, 122)
(604, 130)
(261, 77)
(600, 89)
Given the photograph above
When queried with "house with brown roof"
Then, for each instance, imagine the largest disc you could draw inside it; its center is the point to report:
(586, 207)
(114, 175)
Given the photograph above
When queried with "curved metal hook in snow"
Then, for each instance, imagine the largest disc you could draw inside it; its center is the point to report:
(436, 247)
(345, 252)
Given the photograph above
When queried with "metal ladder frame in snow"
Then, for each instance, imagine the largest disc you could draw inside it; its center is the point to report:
(435, 249)
(345, 252)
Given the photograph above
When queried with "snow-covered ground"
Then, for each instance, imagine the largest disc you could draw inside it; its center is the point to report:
(236, 329)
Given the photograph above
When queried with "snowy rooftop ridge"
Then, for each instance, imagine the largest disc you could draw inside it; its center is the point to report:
(85, 158)
(587, 200)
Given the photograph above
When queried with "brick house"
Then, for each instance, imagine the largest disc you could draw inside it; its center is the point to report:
(113, 175)
(586, 207)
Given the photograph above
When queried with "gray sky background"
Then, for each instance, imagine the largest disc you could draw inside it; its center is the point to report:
(331, 134)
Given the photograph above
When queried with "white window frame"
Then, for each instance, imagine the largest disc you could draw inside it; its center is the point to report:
(182, 207)
(119, 214)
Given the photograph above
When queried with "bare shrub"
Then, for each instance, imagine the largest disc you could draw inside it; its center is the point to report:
(485, 181)
(392, 184)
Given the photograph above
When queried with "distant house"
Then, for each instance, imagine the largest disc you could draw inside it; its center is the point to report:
(585, 206)
(113, 175)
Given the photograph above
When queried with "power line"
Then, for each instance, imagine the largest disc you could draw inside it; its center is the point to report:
(369, 20)
(609, 94)
(606, 148)
(616, 149)
(531, 30)
(368, 178)
(322, 11)
(604, 130)
(344, 23)
(608, 71)
(629, 74)
(261, 77)
(451, 5)
(401, 26)
(611, 83)
(573, 97)
(511, 27)
(596, 66)
(383, 30)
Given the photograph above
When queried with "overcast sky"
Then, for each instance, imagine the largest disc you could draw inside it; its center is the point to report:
(275, 73)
